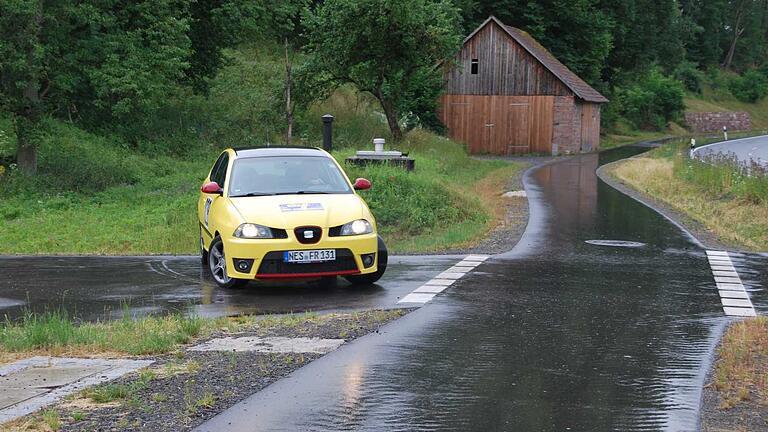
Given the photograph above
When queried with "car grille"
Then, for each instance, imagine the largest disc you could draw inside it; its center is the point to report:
(273, 264)
(315, 233)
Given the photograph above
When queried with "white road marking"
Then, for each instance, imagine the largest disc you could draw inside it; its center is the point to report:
(733, 296)
(736, 302)
(737, 311)
(730, 287)
(432, 289)
(722, 279)
(725, 273)
(479, 258)
(441, 282)
(470, 264)
(722, 267)
(417, 298)
(450, 275)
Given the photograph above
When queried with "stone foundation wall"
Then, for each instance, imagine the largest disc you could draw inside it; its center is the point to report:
(714, 121)
(567, 127)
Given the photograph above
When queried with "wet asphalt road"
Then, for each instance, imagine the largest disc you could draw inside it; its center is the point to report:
(559, 334)
(92, 288)
(746, 149)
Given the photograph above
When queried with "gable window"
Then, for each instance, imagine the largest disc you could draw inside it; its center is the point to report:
(474, 66)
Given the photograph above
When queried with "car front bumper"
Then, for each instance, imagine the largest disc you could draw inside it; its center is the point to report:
(265, 257)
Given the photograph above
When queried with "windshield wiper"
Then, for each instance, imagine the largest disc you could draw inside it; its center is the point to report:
(253, 194)
(301, 193)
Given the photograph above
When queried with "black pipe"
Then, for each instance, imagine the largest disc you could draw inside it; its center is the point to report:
(328, 132)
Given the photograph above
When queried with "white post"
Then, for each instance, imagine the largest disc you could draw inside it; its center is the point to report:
(378, 145)
(725, 133)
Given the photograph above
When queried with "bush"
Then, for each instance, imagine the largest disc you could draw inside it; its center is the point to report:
(410, 202)
(653, 101)
(750, 87)
(691, 77)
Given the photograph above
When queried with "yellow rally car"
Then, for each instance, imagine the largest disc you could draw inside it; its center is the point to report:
(286, 213)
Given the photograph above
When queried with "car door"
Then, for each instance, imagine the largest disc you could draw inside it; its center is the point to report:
(211, 204)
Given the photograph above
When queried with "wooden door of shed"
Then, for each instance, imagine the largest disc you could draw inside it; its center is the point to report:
(500, 125)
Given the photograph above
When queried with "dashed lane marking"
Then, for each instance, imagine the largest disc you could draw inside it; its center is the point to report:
(441, 282)
(417, 298)
(733, 295)
(737, 311)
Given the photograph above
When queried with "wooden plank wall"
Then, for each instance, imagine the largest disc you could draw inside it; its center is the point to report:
(504, 68)
(500, 125)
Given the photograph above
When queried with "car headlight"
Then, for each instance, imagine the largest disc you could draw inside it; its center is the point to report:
(358, 227)
(253, 231)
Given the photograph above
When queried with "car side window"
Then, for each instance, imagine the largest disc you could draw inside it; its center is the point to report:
(220, 174)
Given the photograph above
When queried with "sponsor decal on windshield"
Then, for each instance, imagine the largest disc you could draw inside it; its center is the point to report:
(300, 207)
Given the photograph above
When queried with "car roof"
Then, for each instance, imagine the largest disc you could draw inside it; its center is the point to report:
(278, 151)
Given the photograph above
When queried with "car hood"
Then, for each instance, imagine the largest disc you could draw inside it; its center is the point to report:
(290, 211)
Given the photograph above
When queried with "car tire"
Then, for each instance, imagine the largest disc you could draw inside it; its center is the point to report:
(217, 266)
(371, 278)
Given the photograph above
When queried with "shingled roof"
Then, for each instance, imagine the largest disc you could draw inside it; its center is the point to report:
(570, 79)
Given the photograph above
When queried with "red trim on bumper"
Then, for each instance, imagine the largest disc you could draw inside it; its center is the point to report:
(306, 275)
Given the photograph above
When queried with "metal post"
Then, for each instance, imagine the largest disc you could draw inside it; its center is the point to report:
(328, 132)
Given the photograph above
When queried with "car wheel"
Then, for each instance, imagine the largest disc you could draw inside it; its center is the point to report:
(217, 264)
(203, 252)
(371, 278)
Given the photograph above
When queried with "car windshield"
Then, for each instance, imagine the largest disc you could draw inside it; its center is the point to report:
(284, 175)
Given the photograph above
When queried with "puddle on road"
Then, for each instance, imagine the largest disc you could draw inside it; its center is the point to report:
(615, 243)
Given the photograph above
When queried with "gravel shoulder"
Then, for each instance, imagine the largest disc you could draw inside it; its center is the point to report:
(185, 388)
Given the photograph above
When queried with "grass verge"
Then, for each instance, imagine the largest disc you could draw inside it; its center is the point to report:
(733, 206)
(741, 372)
(131, 203)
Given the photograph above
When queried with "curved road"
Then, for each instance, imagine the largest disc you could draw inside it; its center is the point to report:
(559, 334)
(745, 150)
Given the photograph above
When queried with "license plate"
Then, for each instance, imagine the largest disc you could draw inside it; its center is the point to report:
(309, 256)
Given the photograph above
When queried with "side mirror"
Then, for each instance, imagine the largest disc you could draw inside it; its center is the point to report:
(212, 188)
(362, 184)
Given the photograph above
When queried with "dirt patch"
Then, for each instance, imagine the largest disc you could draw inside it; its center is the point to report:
(184, 389)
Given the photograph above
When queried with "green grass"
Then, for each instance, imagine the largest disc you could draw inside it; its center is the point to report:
(719, 194)
(55, 331)
(93, 196)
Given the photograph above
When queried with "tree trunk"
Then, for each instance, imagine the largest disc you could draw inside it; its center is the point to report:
(392, 119)
(737, 32)
(27, 118)
(288, 102)
(26, 149)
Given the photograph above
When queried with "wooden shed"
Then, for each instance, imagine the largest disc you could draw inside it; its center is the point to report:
(506, 94)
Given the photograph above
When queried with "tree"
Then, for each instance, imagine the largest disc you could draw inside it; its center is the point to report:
(577, 32)
(109, 60)
(381, 46)
(114, 56)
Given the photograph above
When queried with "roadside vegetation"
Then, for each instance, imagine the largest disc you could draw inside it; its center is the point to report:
(182, 388)
(56, 333)
(726, 197)
(741, 372)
